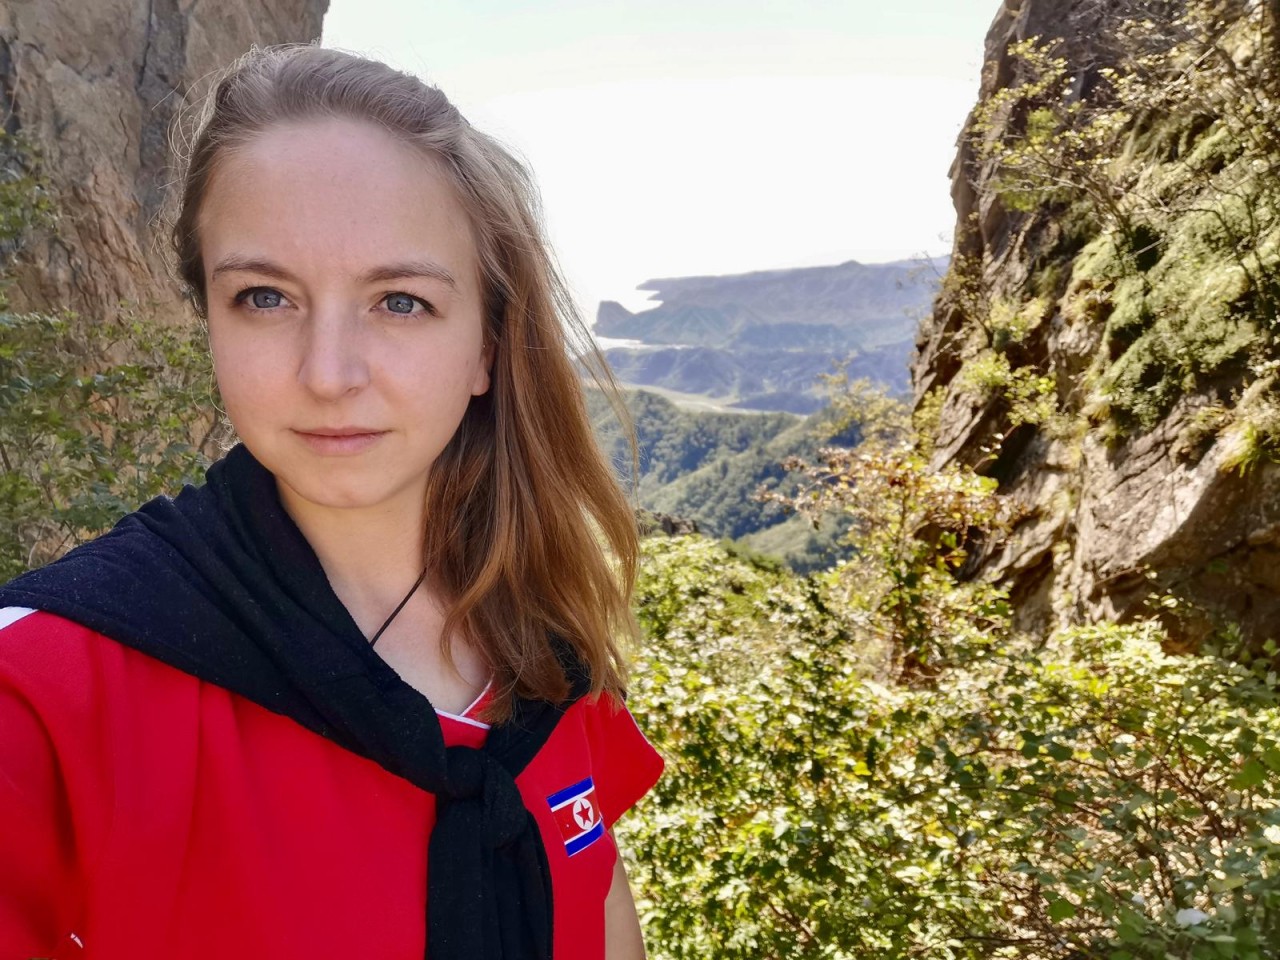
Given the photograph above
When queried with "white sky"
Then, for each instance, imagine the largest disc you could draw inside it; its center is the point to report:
(689, 137)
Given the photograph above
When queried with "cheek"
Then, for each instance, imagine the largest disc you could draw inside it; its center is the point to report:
(242, 371)
(225, 362)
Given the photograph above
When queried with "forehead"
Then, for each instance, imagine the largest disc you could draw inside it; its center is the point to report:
(334, 194)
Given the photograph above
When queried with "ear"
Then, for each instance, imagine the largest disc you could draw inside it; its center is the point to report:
(484, 372)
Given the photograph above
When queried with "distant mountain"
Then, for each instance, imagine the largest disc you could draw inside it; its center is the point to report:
(760, 340)
(780, 379)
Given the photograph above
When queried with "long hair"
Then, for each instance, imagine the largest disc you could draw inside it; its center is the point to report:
(528, 532)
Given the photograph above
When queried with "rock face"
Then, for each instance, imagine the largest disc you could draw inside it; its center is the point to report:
(1111, 518)
(94, 87)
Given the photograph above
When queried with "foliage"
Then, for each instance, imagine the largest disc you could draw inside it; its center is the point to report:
(96, 414)
(862, 412)
(998, 370)
(1252, 433)
(25, 204)
(707, 467)
(747, 845)
(870, 762)
(926, 419)
(908, 529)
(85, 438)
(1085, 796)
(1061, 149)
(1031, 397)
(910, 525)
(798, 544)
(675, 442)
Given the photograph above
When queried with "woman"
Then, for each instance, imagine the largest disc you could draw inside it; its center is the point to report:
(227, 728)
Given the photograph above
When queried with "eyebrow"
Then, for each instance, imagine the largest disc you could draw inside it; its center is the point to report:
(404, 270)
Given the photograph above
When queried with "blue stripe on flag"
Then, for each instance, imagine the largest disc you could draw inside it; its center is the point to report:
(568, 793)
(578, 844)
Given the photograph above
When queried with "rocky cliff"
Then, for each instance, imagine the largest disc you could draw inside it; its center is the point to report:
(1105, 343)
(93, 87)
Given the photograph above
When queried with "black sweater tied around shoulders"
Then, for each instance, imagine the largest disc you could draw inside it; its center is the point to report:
(221, 584)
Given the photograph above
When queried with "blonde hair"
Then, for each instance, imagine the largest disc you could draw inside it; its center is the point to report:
(528, 531)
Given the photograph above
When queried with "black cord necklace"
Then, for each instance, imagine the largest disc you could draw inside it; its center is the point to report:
(387, 622)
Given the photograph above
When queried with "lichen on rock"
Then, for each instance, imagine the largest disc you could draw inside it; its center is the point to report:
(1119, 181)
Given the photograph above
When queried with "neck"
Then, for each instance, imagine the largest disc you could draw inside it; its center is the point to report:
(371, 557)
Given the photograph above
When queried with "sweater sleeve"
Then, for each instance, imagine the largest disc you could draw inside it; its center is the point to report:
(625, 763)
(37, 859)
(46, 702)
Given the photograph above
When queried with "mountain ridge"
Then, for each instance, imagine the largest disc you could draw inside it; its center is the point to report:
(765, 337)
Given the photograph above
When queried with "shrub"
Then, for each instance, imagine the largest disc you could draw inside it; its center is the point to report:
(84, 437)
(97, 414)
(1078, 797)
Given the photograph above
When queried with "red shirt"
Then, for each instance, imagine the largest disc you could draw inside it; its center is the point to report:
(145, 813)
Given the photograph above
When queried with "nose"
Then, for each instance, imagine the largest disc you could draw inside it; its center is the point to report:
(333, 362)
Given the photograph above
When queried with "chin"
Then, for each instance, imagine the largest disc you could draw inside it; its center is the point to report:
(338, 498)
(347, 488)
(335, 497)
(348, 484)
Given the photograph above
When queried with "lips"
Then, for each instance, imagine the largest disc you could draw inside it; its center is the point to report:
(339, 431)
(338, 441)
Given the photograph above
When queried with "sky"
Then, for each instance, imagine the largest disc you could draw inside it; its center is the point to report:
(705, 137)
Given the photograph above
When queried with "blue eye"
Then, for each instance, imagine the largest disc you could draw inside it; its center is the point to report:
(260, 298)
(400, 303)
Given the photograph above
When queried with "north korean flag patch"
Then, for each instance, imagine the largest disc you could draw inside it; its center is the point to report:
(577, 815)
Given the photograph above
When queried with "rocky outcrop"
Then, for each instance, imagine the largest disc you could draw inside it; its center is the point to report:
(94, 87)
(1113, 517)
(651, 524)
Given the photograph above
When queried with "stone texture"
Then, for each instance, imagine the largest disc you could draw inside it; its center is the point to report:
(95, 85)
(1106, 525)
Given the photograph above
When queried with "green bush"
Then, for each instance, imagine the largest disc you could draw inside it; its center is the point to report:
(84, 437)
(97, 414)
(1082, 796)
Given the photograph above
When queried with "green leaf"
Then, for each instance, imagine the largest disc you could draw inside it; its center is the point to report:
(1060, 910)
(1271, 757)
(1250, 775)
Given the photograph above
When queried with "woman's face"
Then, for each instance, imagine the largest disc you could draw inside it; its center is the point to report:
(345, 311)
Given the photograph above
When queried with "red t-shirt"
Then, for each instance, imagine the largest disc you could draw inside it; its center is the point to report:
(148, 815)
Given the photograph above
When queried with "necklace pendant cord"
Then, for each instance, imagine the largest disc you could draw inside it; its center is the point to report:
(386, 623)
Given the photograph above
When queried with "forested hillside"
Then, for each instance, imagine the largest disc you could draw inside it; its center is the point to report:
(710, 467)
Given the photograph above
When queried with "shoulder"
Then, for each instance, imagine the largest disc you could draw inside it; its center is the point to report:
(40, 651)
(96, 710)
(599, 741)
(77, 681)
(59, 713)
(41, 646)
